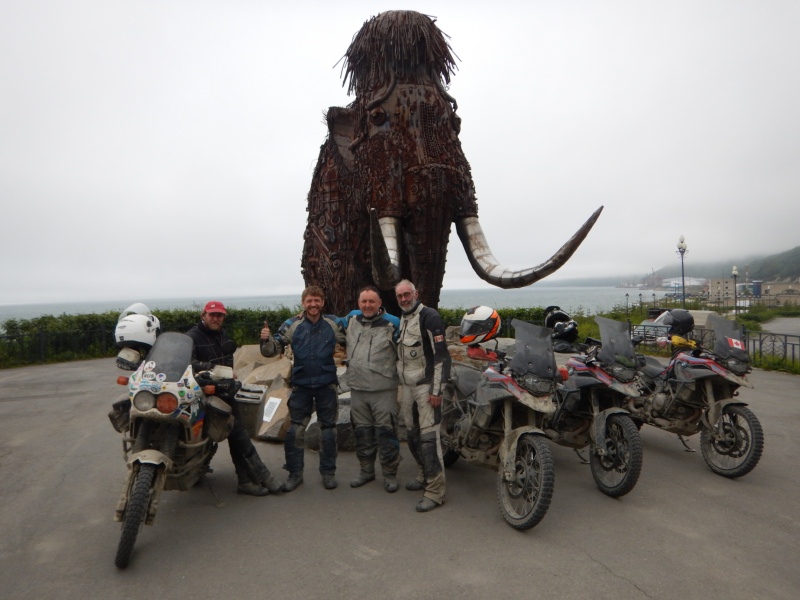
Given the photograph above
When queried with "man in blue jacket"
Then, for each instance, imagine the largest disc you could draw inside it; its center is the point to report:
(313, 337)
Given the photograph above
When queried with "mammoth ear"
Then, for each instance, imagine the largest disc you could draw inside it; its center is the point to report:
(341, 126)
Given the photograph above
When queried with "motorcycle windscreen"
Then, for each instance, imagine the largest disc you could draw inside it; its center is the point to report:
(171, 354)
(533, 350)
(728, 341)
(616, 343)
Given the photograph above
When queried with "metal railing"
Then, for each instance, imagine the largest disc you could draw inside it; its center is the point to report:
(761, 345)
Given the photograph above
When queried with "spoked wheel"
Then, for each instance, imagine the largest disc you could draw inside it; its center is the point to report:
(733, 448)
(525, 498)
(135, 513)
(617, 471)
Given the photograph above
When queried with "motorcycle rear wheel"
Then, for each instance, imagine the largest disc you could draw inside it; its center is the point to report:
(449, 418)
(617, 472)
(741, 442)
(135, 513)
(524, 499)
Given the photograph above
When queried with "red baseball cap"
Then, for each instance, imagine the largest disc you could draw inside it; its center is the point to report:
(215, 306)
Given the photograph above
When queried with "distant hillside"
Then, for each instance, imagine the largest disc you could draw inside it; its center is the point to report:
(783, 267)
(779, 267)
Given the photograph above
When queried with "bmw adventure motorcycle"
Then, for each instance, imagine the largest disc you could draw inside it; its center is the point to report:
(171, 421)
(590, 414)
(489, 418)
(503, 414)
(697, 392)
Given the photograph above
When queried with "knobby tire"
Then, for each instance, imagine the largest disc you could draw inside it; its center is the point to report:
(740, 450)
(135, 513)
(616, 473)
(525, 499)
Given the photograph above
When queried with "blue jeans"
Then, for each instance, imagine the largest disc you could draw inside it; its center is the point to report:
(302, 403)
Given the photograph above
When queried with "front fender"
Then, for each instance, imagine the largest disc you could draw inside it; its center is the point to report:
(508, 449)
(150, 457)
(598, 430)
(715, 410)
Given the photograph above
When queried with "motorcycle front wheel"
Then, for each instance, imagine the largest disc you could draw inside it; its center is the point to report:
(525, 498)
(617, 470)
(135, 513)
(734, 447)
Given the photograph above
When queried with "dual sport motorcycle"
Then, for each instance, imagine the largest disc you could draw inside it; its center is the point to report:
(697, 392)
(171, 421)
(502, 415)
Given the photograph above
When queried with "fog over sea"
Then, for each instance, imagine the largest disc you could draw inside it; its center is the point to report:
(588, 300)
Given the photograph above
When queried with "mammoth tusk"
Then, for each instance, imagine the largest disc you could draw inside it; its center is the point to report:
(384, 240)
(489, 269)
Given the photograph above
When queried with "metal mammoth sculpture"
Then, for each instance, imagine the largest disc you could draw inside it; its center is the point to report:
(391, 176)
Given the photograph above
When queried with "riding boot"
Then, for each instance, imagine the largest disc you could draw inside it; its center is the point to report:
(327, 450)
(365, 451)
(418, 483)
(260, 474)
(432, 466)
(388, 450)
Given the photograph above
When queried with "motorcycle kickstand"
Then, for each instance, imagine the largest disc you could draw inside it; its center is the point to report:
(217, 502)
(685, 445)
(580, 456)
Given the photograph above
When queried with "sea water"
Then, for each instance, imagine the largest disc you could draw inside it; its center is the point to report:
(587, 300)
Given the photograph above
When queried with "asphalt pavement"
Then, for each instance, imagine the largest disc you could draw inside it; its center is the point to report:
(683, 532)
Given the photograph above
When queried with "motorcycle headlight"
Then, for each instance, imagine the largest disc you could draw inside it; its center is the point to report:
(144, 400)
(536, 386)
(166, 403)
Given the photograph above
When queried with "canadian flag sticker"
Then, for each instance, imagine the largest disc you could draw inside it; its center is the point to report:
(734, 343)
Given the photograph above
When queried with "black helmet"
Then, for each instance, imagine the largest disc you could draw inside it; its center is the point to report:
(679, 321)
(553, 315)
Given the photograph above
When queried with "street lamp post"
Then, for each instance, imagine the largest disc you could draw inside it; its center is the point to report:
(735, 274)
(681, 252)
(654, 299)
(626, 305)
(641, 308)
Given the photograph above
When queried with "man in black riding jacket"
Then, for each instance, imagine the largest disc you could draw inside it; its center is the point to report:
(209, 336)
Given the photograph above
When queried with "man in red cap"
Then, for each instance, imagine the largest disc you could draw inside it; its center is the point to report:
(209, 337)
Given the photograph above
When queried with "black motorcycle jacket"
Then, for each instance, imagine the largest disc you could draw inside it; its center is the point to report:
(207, 350)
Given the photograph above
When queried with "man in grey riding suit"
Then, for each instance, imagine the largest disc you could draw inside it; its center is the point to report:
(424, 368)
(372, 378)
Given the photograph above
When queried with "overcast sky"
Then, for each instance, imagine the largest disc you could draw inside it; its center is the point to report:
(165, 148)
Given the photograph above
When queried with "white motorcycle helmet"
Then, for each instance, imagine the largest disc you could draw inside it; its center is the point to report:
(479, 324)
(136, 328)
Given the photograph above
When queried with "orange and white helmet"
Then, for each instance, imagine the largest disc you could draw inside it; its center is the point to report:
(479, 324)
